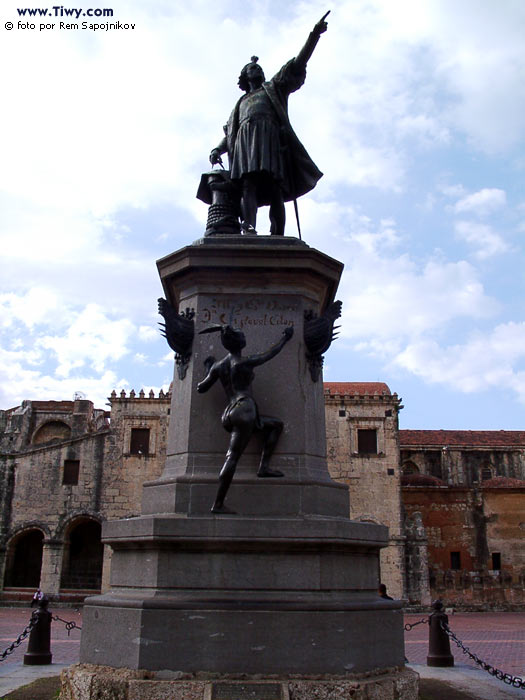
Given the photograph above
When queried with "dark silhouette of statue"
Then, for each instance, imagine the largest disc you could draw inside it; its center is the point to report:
(241, 416)
(267, 160)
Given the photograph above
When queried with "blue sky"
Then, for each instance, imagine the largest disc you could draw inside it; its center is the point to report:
(413, 110)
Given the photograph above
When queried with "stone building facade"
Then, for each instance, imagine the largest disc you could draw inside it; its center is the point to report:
(363, 451)
(65, 467)
(453, 500)
(464, 499)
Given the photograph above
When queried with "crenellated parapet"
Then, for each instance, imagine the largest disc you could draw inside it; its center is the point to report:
(164, 396)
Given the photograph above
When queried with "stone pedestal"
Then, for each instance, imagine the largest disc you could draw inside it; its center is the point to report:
(288, 585)
(260, 285)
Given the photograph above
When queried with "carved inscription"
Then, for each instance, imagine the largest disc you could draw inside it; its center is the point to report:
(249, 312)
(246, 691)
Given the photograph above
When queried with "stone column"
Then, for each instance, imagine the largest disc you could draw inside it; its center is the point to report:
(51, 571)
(106, 569)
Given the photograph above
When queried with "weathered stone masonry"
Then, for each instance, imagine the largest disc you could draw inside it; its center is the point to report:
(466, 492)
(453, 500)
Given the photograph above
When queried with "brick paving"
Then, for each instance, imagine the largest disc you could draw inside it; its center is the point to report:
(497, 638)
(65, 649)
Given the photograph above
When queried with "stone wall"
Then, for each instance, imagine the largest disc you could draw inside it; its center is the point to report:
(63, 471)
(475, 544)
(463, 490)
(371, 471)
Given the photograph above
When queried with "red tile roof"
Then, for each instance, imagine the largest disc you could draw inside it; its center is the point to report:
(420, 480)
(502, 482)
(462, 438)
(362, 388)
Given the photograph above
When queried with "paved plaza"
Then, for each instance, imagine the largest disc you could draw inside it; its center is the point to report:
(498, 638)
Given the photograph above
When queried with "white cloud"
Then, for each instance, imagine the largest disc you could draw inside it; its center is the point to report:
(91, 340)
(451, 190)
(390, 297)
(37, 305)
(166, 359)
(20, 378)
(392, 301)
(482, 203)
(148, 333)
(481, 236)
(485, 361)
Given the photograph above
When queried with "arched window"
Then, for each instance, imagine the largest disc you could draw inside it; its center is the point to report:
(410, 468)
(52, 431)
(24, 560)
(83, 553)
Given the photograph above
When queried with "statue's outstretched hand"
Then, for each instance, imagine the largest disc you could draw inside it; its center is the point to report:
(322, 26)
(288, 332)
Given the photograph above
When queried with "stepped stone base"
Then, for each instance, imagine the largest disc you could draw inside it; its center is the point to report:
(89, 682)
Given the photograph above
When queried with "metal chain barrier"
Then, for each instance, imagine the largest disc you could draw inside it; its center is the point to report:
(507, 678)
(70, 625)
(10, 649)
(409, 626)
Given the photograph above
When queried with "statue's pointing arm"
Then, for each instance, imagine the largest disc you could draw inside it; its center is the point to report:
(305, 53)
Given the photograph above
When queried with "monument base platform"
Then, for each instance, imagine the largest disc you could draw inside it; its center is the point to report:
(243, 595)
(90, 682)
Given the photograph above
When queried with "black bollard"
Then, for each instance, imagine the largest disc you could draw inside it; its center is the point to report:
(438, 641)
(39, 645)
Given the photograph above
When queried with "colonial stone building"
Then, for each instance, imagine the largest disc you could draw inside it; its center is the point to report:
(363, 451)
(464, 498)
(453, 500)
(65, 467)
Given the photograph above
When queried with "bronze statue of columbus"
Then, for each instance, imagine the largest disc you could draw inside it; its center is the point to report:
(267, 160)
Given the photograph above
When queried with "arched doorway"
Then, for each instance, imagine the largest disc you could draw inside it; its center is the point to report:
(24, 560)
(83, 553)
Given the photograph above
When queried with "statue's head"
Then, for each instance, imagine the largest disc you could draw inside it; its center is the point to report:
(251, 72)
(232, 339)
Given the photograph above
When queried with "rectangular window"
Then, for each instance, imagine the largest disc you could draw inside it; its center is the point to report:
(496, 561)
(342, 413)
(455, 560)
(139, 443)
(71, 470)
(367, 442)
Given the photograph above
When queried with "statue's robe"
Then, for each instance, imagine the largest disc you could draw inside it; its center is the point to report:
(260, 139)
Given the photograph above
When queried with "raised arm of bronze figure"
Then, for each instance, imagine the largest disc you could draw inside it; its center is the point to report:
(255, 360)
(305, 53)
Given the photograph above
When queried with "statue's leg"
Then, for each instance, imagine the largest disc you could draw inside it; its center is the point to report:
(249, 204)
(277, 211)
(238, 441)
(271, 430)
